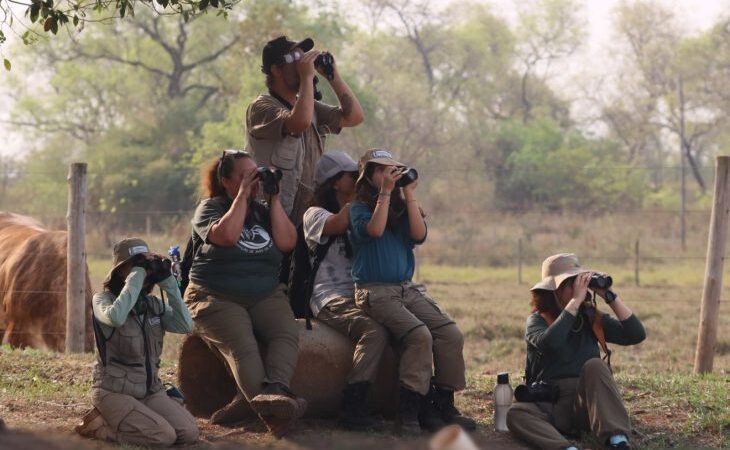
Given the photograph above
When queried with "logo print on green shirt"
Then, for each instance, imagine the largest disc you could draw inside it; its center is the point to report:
(254, 240)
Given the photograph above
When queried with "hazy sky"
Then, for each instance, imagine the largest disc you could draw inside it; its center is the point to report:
(694, 15)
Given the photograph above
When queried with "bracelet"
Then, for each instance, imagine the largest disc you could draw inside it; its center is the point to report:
(384, 194)
(412, 200)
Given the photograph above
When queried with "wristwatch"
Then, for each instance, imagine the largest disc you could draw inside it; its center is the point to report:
(610, 297)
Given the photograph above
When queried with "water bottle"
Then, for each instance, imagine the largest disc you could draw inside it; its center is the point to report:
(502, 401)
(174, 253)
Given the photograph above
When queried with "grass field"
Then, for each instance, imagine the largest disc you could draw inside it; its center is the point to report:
(669, 406)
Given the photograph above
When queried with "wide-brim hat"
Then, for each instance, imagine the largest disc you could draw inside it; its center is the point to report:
(375, 156)
(275, 49)
(558, 268)
(125, 250)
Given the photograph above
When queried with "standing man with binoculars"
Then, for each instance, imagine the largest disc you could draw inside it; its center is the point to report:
(569, 389)
(286, 128)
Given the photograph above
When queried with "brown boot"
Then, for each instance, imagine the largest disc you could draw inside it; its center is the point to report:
(234, 412)
(94, 426)
(278, 407)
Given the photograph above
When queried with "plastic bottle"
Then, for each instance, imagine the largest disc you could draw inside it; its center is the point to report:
(502, 401)
(174, 253)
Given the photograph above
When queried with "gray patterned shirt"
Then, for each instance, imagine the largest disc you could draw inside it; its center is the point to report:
(334, 277)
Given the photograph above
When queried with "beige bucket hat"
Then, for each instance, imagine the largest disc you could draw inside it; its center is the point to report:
(558, 268)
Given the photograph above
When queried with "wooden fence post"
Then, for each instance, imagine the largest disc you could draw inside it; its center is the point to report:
(76, 259)
(636, 262)
(519, 261)
(716, 241)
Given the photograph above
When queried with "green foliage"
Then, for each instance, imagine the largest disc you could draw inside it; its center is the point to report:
(462, 95)
(550, 168)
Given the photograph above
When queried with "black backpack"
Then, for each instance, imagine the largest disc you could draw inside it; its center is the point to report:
(302, 271)
(191, 249)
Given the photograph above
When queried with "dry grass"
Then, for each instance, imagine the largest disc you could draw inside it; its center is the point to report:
(669, 406)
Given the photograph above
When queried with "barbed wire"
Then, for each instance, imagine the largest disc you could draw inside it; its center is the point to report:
(464, 170)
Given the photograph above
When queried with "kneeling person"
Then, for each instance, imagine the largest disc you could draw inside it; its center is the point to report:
(131, 405)
(333, 295)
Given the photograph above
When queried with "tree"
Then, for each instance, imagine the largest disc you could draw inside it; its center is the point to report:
(548, 168)
(51, 16)
(127, 98)
(548, 30)
(664, 88)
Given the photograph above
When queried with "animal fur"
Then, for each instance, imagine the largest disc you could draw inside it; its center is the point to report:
(33, 285)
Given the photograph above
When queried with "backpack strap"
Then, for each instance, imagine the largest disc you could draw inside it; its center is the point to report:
(597, 327)
(318, 254)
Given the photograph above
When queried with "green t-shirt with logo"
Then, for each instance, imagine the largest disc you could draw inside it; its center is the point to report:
(250, 268)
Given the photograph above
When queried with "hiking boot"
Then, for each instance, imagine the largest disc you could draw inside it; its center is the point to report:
(234, 412)
(408, 405)
(279, 408)
(94, 426)
(443, 399)
(429, 417)
(354, 413)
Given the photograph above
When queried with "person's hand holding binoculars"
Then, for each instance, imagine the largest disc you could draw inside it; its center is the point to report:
(248, 181)
(391, 174)
(305, 65)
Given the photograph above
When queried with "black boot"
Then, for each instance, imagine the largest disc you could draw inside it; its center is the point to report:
(428, 416)
(409, 403)
(443, 399)
(354, 414)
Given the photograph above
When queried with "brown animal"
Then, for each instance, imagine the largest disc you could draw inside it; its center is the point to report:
(33, 285)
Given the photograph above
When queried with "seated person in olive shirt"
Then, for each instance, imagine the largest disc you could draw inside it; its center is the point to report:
(234, 295)
(563, 351)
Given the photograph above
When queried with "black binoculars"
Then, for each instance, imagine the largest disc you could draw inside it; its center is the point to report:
(409, 176)
(269, 177)
(326, 63)
(157, 267)
(538, 391)
(600, 281)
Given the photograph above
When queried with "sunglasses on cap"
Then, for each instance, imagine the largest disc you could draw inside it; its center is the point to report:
(289, 58)
(229, 153)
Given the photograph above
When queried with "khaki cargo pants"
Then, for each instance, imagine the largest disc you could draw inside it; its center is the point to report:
(589, 403)
(428, 339)
(154, 420)
(368, 336)
(235, 326)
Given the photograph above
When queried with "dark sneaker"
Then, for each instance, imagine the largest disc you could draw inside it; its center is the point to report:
(620, 441)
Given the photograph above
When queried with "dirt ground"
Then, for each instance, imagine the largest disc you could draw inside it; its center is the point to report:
(309, 435)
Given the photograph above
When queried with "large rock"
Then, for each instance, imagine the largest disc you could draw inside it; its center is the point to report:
(325, 359)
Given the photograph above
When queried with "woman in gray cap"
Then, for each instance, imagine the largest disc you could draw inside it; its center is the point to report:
(333, 294)
(130, 404)
(575, 390)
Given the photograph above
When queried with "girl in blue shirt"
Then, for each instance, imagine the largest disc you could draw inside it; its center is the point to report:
(386, 222)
